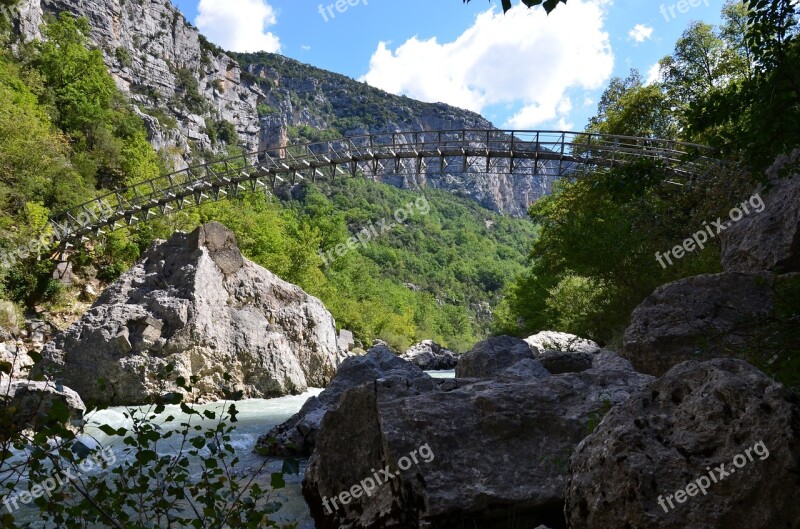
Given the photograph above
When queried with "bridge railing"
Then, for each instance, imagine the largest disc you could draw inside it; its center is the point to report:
(518, 153)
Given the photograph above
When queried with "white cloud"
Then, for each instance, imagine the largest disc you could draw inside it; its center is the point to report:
(641, 33)
(238, 25)
(653, 74)
(305, 47)
(523, 57)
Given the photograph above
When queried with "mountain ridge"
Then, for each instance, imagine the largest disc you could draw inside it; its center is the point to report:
(198, 101)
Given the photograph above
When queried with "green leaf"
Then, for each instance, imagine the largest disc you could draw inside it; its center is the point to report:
(277, 481)
(291, 466)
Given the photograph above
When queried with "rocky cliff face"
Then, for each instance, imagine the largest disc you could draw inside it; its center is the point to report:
(188, 90)
(193, 302)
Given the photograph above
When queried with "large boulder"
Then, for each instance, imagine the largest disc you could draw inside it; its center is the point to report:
(697, 318)
(430, 356)
(492, 356)
(456, 453)
(769, 239)
(193, 301)
(560, 341)
(38, 404)
(557, 362)
(721, 432)
(297, 436)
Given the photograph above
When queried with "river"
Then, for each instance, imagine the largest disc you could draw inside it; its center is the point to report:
(255, 417)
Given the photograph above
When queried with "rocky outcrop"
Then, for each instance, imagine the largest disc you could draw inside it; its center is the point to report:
(426, 434)
(721, 432)
(157, 58)
(697, 318)
(430, 356)
(297, 436)
(769, 240)
(560, 341)
(751, 310)
(40, 404)
(195, 303)
(492, 356)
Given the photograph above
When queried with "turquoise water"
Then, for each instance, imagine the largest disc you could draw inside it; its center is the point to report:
(255, 418)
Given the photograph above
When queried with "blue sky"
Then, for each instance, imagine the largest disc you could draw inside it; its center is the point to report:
(520, 70)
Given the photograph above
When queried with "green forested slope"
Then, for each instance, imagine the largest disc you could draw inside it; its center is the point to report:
(67, 134)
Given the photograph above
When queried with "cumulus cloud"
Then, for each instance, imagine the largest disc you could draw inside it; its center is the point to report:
(523, 58)
(641, 32)
(238, 25)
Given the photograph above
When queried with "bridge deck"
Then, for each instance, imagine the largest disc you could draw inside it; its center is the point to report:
(521, 154)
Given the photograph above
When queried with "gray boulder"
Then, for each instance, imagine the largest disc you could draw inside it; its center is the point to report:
(697, 318)
(430, 356)
(462, 453)
(195, 302)
(33, 402)
(526, 369)
(557, 362)
(560, 341)
(678, 431)
(769, 240)
(297, 436)
(492, 356)
(15, 359)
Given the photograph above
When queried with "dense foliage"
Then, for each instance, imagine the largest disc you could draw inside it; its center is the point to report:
(66, 133)
(734, 87)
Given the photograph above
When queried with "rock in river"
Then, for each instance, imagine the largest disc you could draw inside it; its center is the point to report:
(194, 301)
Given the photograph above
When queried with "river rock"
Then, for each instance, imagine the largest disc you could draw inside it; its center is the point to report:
(430, 356)
(492, 356)
(193, 301)
(34, 400)
(486, 451)
(697, 318)
(297, 436)
(560, 341)
(15, 359)
(697, 417)
(769, 240)
(557, 362)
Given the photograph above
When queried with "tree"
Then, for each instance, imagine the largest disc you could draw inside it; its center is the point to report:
(548, 5)
(772, 31)
(698, 64)
(629, 108)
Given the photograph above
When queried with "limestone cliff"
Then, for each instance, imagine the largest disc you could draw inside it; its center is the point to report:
(192, 95)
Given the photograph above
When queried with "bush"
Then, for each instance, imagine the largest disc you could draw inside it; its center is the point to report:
(575, 304)
(187, 85)
(123, 57)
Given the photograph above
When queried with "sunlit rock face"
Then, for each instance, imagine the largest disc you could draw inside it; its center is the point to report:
(194, 302)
